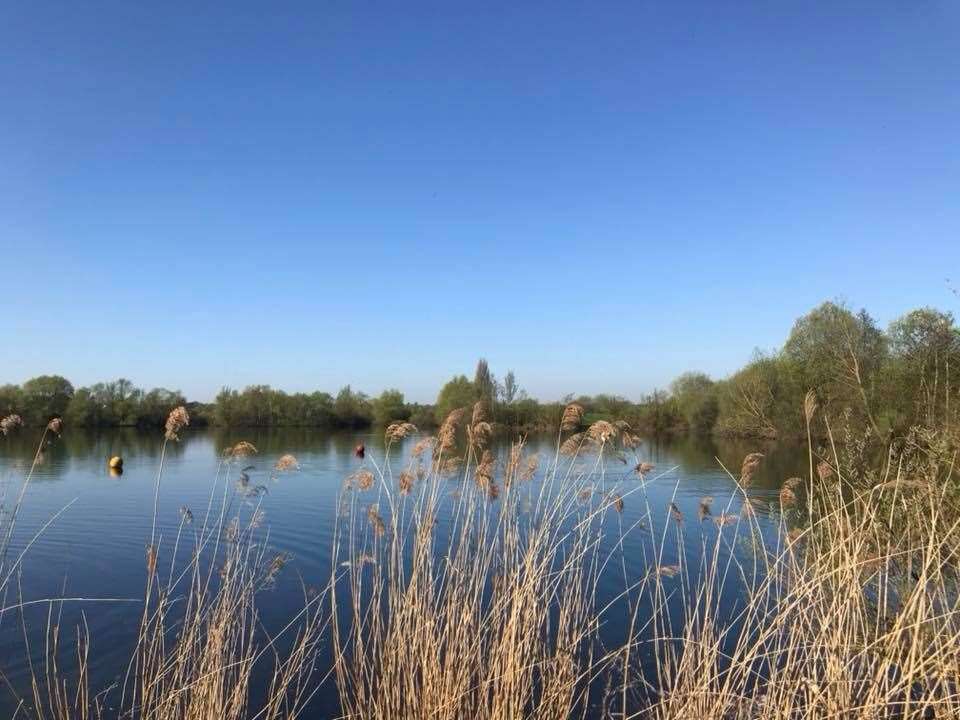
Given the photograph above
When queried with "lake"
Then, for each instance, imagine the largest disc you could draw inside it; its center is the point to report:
(94, 549)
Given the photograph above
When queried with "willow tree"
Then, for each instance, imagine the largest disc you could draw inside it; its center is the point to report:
(924, 370)
(841, 355)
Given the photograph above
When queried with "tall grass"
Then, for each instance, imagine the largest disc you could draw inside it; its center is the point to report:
(200, 639)
(851, 613)
(488, 614)
(849, 610)
(468, 585)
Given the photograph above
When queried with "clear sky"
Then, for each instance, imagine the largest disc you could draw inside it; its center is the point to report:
(597, 195)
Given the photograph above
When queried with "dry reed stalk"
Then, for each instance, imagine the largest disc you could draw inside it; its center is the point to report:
(751, 463)
(176, 421)
(10, 423)
(572, 416)
(854, 614)
(422, 445)
(643, 468)
(602, 431)
(286, 462)
(399, 430)
(675, 513)
(200, 640)
(703, 509)
(466, 630)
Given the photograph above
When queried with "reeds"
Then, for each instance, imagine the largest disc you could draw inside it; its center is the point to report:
(200, 639)
(850, 610)
(853, 612)
(485, 616)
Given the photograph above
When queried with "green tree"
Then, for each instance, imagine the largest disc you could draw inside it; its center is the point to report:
(352, 410)
(484, 384)
(511, 391)
(924, 369)
(841, 354)
(81, 410)
(11, 400)
(457, 393)
(389, 407)
(45, 397)
(696, 397)
(762, 399)
(225, 407)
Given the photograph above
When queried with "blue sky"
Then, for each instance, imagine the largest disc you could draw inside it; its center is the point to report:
(598, 196)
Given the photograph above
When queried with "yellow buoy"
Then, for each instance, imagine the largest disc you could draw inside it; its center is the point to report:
(116, 463)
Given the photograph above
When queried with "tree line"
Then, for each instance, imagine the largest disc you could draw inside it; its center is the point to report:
(888, 379)
(108, 404)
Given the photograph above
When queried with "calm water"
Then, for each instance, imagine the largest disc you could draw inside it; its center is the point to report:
(95, 548)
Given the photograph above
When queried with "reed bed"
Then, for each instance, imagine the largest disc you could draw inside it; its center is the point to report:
(468, 583)
(488, 614)
(848, 610)
(200, 639)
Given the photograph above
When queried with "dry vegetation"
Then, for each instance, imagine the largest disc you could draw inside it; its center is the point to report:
(850, 611)
(465, 584)
(200, 637)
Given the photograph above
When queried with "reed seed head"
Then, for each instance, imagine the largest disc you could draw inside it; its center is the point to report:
(573, 444)
(484, 474)
(478, 434)
(602, 431)
(616, 502)
(809, 405)
(376, 522)
(363, 479)
(176, 421)
(704, 511)
(447, 435)
(10, 423)
(788, 498)
(241, 450)
(451, 465)
(406, 482)
(480, 413)
(286, 462)
(751, 463)
(399, 430)
(572, 415)
(675, 513)
(724, 519)
(824, 470)
(533, 463)
(422, 445)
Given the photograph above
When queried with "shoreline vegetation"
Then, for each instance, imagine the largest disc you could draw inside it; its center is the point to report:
(888, 380)
(850, 609)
